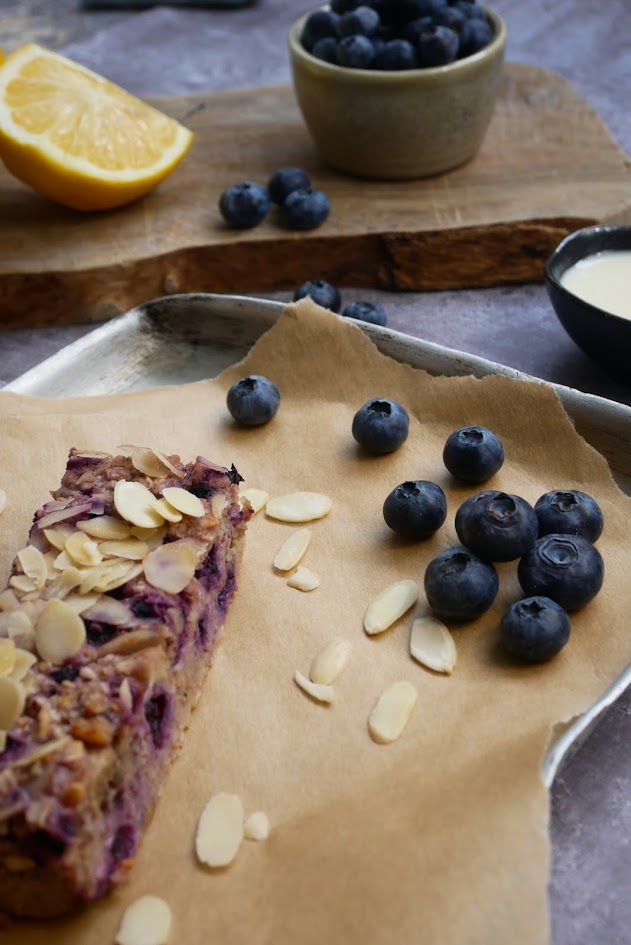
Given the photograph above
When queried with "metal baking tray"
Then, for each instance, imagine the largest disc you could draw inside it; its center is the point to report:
(182, 338)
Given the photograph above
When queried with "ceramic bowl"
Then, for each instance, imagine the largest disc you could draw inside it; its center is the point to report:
(604, 337)
(398, 125)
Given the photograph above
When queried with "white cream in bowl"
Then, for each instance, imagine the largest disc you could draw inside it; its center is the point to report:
(603, 280)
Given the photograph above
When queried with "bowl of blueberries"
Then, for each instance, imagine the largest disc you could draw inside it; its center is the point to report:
(397, 89)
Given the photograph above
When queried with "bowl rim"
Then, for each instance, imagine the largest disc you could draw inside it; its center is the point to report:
(497, 45)
(557, 257)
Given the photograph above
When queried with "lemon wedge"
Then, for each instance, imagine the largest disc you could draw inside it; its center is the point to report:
(77, 138)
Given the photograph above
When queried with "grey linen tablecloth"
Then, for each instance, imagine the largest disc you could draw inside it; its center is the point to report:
(587, 41)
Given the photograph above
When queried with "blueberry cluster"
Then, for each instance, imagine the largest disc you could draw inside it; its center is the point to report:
(326, 295)
(393, 35)
(301, 206)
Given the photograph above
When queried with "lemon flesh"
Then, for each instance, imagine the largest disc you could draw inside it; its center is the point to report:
(77, 138)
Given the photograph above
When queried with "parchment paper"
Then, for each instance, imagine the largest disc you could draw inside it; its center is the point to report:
(439, 838)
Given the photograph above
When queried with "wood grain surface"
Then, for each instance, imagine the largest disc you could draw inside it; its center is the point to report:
(548, 166)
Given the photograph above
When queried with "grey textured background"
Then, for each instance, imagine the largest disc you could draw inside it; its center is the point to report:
(168, 51)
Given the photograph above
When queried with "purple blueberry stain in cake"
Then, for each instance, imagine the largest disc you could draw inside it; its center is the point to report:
(225, 594)
(208, 572)
(150, 605)
(99, 633)
(124, 843)
(159, 714)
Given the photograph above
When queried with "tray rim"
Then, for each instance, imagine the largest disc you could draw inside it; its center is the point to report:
(266, 312)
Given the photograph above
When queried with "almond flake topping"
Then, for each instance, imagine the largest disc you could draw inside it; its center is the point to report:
(184, 501)
(170, 567)
(34, 565)
(23, 583)
(146, 462)
(3, 501)
(331, 660)
(83, 550)
(12, 700)
(256, 826)
(108, 610)
(147, 921)
(166, 510)
(432, 644)
(59, 632)
(292, 550)
(298, 507)
(220, 830)
(386, 608)
(58, 536)
(8, 600)
(23, 662)
(82, 602)
(152, 537)
(125, 694)
(135, 503)
(256, 497)
(63, 583)
(105, 528)
(218, 504)
(317, 691)
(131, 548)
(303, 579)
(392, 712)
(7, 656)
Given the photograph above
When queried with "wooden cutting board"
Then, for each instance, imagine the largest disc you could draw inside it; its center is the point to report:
(548, 166)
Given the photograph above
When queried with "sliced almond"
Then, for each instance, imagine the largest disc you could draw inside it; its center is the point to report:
(136, 504)
(61, 514)
(130, 548)
(14, 621)
(57, 537)
(81, 602)
(59, 632)
(63, 561)
(218, 504)
(171, 566)
(22, 583)
(432, 644)
(152, 537)
(166, 510)
(116, 577)
(105, 528)
(9, 600)
(34, 565)
(12, 698)
(317, 691)
(330, 661)
(147, 921)
(3, 501)
(83, 550)
(256, 826)
(92, 454)
(7, 656)
(392, 712)
(125, 694)
(220, 830)
(40, 751)
(298, 507)
(24, 659)
(108, 610)
(256, 497)
(292, 550)
(303, 579)
(184, 501)
(65, 582)
(386, 608)
(146, 462)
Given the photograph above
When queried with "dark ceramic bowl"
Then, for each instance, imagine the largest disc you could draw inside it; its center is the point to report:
(604, 337)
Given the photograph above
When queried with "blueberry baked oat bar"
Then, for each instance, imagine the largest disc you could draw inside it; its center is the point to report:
(107, 629)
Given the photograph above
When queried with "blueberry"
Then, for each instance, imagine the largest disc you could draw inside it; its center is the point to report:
(567, 568)
(362, 21)
(244, 205)
(498, 527)
(305, 208)
(395, 55)
(466, 506)
(569, 512)
(366, 312)
(355, 52)
(253, 400)
(381, 426)
(284, 181)
(322, 293)
(412, 9)
(326, 50)
(471, 9)
(459, 586)
(474, 36)
(535, 629)
(437, 47)
(473, 454)
(318, 25)
(413, 31)
(452, 17)
(415, 509)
